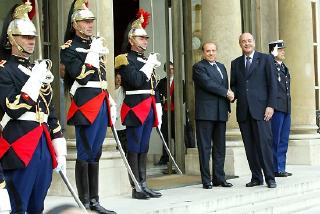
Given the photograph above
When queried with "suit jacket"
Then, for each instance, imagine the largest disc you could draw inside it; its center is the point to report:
(255, 90)
(210, 92)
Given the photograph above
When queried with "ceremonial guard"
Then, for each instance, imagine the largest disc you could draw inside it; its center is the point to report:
(32, 144)
(141, 108)
(281, 120)
(91, 105)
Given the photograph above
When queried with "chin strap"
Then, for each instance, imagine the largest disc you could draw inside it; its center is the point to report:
(137, 45)
(13, 42)
(142, 48)
(76, 27)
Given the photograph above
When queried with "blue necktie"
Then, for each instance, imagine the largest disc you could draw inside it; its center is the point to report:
(216, 67)
(248, 63)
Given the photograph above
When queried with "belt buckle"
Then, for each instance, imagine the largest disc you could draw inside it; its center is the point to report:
(40, 117)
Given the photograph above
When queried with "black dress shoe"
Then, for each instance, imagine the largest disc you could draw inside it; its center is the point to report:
(207, 186)
(280, 174)
(140, 195)
(272, 184)
(95, 206)
(254, 183)
(223, 184)
(152, 193)
(288, 173)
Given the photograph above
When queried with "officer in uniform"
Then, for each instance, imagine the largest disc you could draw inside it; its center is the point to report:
(90, 109)
(141, 108)
(32, 144)
(281, 119)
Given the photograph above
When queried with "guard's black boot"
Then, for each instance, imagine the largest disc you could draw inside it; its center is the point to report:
(142, 158)
(94, 190)
(150, 192)
(82, 182)
(140, 195)
(133, 162)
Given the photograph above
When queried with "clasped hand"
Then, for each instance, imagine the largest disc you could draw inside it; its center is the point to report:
(230, 95)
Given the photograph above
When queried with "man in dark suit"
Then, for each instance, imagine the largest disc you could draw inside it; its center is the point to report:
(254, 84)
(212, 107)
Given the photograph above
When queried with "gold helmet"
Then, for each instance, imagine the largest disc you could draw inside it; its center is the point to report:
(81, 11)
(21, 24)
(138, 26)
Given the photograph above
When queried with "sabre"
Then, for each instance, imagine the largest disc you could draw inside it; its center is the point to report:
(123, 156)
(168, 150)
(67, 183)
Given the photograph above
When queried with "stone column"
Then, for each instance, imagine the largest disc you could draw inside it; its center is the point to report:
(265, 19)
(221, 24)
(295, 24)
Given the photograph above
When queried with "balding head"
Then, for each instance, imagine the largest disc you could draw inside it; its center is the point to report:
(209, 51)
(247, 43)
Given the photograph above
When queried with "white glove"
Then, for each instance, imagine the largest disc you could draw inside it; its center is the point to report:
(34, 83)
(96, 50)
(151, 63)
(154, 60)
(60, 147)
(275, 51)
(45, 75)
(5, 206)
(113, 110)
(62, 164)
(159, 114)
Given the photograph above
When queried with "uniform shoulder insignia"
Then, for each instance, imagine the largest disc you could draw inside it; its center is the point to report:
(2, 63)
(121, 60)
(66, 45)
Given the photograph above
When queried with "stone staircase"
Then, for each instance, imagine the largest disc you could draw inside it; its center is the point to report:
(299, 193)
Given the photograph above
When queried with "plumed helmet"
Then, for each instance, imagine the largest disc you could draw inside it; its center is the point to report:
(138, 26)
(21, 23)
(81, 11)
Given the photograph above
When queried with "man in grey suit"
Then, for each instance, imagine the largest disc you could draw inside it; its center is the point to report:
(212, 107)
(254, 84)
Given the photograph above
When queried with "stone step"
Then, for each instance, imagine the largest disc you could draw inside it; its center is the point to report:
(282, 205)
(311, 210)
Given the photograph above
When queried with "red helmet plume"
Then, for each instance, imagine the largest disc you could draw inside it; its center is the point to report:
(146, 16)
(32, 13)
